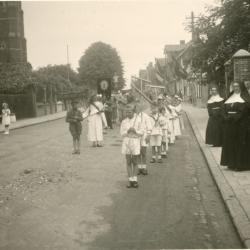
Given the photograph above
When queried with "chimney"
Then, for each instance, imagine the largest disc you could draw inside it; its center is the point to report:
(182, 42)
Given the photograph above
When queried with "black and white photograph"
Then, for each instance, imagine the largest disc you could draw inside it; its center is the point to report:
(124, 124)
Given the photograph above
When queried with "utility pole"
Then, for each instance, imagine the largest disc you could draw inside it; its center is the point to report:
(68, 63)
(192, 18)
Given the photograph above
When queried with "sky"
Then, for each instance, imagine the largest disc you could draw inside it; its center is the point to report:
(137, 29)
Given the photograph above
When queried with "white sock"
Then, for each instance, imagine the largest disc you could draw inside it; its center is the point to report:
(154, 157)
(135, 178)
(139, 166)
(130, 178)
(159, 157)
(144, 166)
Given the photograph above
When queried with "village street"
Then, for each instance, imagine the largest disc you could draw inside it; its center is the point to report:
(51, 199)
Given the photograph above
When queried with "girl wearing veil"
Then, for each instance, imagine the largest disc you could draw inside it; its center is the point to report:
(214, 125)
(233, 153)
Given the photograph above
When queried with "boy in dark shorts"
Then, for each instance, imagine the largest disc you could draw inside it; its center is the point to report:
(74, 118)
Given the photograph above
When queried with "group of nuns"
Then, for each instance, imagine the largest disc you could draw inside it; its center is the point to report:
(229, 126)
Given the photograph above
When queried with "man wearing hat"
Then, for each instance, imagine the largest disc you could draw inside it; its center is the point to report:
(74, 118)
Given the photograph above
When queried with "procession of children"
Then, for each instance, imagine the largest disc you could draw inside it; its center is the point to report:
(141, 129)
(156, 130)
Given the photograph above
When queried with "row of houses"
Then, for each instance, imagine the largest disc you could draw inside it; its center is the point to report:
(174, 71)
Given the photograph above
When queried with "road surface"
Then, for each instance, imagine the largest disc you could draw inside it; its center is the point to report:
(51, 199)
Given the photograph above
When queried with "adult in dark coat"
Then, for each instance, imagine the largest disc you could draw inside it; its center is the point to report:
(234, 131)
(246, 97)
(214, 125)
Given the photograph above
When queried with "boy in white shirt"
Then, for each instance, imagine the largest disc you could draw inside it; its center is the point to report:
(131, 131)
(146, 128)
(156, 135)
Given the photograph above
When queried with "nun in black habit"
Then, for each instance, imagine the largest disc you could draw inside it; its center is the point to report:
(214, 125)
(233, 153)
(246, 154)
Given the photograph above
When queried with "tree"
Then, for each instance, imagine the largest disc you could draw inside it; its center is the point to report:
(56, 78)
(222, 31)
(15, 78)
(100, 61)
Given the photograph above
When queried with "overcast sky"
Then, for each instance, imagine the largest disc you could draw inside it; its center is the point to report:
(137, 29)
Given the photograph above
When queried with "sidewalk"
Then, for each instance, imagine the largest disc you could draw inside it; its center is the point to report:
(36, 120)
(233, 186)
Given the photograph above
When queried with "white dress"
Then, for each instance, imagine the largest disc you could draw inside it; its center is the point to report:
(95, 122)
(176, 121)
(179, 109)
(131, 145)
(171, 125)
(146, 127)
(6, 117)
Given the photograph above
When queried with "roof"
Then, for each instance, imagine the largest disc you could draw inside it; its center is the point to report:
(188, 46)
(161, 61)
(241, 53)
(174, 47)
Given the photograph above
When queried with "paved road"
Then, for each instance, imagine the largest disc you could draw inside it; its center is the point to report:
(50, 199)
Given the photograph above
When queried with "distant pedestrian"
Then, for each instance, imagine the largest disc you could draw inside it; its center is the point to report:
(214, 125)
(6, 118)
(74, 118)
(108, 112)
(131, 131)
(233, 153)
(96, 120)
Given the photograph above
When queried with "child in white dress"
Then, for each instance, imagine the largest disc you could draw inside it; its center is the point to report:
(6, 118)
(131, 131)
(165, 125)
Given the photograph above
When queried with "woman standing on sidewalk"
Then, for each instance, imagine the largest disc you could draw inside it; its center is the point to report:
(214, 125)
(233, 154)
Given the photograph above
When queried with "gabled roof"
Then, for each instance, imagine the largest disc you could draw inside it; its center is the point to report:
(188, 46)
(161, 61)
(174, 47)
(241, 53)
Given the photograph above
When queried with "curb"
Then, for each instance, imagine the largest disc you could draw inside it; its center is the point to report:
(236, 211)
(36, 121)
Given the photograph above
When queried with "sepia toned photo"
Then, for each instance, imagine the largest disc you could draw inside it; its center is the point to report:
(124, 124)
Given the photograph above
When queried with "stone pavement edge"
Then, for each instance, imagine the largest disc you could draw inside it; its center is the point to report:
(233, 186)
(36, 120)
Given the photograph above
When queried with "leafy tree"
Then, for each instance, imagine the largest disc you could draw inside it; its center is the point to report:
(15, 78)
(56, 78)
(100, 60)
(222, 31)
